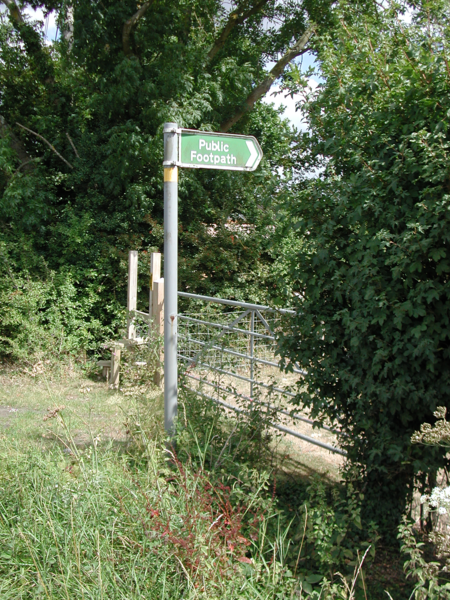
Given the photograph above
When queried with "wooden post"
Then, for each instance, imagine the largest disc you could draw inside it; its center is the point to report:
(156, 306)
(158, 321)
(115, 367)
(155, 274)
(132, 292)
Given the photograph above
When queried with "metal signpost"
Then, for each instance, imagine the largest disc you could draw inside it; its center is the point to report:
(188, 148)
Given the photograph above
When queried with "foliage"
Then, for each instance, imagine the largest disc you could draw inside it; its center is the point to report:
(334, 535)
(144, 419)
(46, 317)
(329, 543)
(428, 575)
(371, 276)
(141, 362)
(96, 192)
(106, 486)
(325, 541)
(421, 571)
(437, 434)
(243, 439)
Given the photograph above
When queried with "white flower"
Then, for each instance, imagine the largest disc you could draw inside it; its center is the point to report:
(423, 499)
(435, 498)
(442, 510)
(445, 494)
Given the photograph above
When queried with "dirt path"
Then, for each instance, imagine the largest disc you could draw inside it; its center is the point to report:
(25, 400)
(92, 407)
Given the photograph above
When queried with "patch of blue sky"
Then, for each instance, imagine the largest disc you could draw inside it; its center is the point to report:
(51, 31)
(291, 105)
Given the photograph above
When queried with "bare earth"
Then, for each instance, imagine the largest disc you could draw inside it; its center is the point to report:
(94, 408)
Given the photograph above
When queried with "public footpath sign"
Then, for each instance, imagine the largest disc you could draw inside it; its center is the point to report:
(192, 149)
(203, 150)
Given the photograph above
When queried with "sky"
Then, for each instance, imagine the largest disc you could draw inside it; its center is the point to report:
(50, 28)
(289, 104)
(295, 116)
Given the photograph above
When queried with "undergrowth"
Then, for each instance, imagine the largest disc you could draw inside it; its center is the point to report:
(93, 524)
(204, 518)
(142, 521)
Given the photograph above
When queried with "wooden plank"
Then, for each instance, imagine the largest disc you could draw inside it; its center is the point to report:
(136, 342)
(155, 265)
(106, 368)
(158, 306)
(132, 292)
(158, 321)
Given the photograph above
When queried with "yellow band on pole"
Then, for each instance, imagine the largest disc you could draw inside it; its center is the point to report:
(171, 174)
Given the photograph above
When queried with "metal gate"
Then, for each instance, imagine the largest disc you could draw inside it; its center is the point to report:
(229, 353)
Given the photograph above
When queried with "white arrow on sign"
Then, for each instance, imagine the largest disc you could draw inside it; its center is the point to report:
(253, 154)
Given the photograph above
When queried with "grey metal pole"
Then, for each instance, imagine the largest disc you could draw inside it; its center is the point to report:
(170, 276)
(252, 343)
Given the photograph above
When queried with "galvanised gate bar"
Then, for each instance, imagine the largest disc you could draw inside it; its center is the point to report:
(228, 350)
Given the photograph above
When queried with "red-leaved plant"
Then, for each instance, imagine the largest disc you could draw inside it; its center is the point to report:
(204, 527)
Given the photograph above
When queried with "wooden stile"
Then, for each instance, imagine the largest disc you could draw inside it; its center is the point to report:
(156, 314)
(115, 367)
(155, 274)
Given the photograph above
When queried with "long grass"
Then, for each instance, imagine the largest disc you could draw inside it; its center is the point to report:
(123, 518)
(96, 525)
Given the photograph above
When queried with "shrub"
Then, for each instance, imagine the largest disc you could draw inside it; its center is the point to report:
(372, 328)
(324, 539)
(45, 317)
(232, 439)
(430, 576)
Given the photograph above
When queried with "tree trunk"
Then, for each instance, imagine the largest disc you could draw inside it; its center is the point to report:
(264, 87)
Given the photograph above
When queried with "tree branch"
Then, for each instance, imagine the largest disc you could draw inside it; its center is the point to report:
(27, 163)
(128, 26)
(32, 42)
(67, 31)
(14, 11)
(16, 145)
(48, 144)
(73, 145)
(297, 49)
(237, 17)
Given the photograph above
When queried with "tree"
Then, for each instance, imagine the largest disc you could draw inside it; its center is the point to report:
(372, 275)
(81, 145)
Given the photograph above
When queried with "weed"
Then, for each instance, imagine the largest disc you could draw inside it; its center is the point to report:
(111, 530)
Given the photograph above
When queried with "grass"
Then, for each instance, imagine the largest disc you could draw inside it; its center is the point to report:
(24, 402)
(97, 527)
(91, 508)
(83, 515)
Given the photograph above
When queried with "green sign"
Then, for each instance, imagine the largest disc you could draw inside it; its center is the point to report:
(203, 150)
